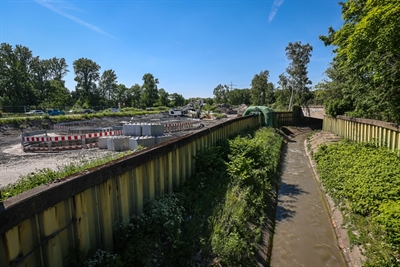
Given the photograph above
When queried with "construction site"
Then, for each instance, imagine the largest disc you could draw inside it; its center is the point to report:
(31, 148)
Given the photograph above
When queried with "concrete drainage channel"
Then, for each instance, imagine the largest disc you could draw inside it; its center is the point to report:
(78, 135)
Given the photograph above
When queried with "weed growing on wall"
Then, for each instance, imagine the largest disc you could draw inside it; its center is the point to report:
(216, 217)
(151, 238)
(365, 181)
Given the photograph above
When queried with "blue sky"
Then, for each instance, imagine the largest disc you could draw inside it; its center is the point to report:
(191, 46)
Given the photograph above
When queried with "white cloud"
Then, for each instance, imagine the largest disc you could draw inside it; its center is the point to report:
(59, 7)
(274, 9)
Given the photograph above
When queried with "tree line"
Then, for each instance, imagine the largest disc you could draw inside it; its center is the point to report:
(27, 80)
(294, 86)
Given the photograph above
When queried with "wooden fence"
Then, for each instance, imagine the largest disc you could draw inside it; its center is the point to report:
(364, 130)
(39, 226)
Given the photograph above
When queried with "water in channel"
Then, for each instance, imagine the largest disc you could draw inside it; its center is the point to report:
(304, 235)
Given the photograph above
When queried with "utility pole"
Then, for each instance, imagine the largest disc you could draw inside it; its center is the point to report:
(232, 85)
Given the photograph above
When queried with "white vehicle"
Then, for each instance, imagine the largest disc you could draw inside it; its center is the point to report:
(35, 112)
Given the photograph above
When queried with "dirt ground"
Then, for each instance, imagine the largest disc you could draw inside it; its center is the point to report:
(14, 162)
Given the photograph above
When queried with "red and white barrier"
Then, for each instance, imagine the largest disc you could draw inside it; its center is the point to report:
(60, 148)
(27, 140)
(69, 137)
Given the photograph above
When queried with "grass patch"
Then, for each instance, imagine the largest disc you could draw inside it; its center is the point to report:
(45, 176)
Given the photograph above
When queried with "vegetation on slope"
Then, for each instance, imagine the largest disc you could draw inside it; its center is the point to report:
(216, 217)
(364, 181)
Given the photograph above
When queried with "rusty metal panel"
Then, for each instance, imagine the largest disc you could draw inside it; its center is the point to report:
(53, 255)
(176, 168)
(145, 182)
(12, 242)
(170, 164)
(27, 231)
(139, 189)
(123, 196)
(82, 221)
(151, 180)
(132, 192)
(161, 174)
(105, 195)
(183, 164)
(3, 252)
(64, 221)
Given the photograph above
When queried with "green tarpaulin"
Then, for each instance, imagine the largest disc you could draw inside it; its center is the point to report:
(269, 115)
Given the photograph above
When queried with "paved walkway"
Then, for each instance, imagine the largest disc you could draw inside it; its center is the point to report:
(304, 235)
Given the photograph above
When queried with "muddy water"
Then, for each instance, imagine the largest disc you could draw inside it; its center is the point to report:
(303, 235)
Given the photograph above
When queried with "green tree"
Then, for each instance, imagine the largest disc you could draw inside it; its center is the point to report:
(221, 93)
(177, 100)
(136, 91)
(124, 95)
(86, 76)
(262, 91)
(209, 101)
(149, 90)
(58, 68)
(299, 56)
(239, 96)
(108, 87)
(58, 96)
(367, 58)
(16, 75)
(47, 79)
(163, 97)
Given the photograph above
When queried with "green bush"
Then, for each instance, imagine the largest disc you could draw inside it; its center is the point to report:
(103, 259)
(365, 181)
(216, 217)
(150, 238)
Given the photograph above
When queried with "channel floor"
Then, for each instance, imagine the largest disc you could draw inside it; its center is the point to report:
(304, 235)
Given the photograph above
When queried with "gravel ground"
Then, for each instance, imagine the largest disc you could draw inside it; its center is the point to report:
(14, 162)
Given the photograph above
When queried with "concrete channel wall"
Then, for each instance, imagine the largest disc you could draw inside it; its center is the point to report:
(364, 130)
(38, 227)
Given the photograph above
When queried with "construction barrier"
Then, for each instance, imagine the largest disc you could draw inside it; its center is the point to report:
(54, 143)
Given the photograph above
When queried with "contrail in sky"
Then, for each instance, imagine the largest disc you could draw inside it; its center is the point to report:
(51, 4)
(274, 9)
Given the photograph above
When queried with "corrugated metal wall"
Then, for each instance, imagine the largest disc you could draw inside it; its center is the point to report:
(364, 130)
(39, 226)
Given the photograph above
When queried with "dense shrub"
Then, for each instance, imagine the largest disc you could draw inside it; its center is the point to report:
(216, 217)
(365, 181)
